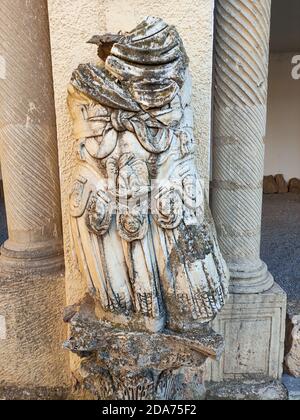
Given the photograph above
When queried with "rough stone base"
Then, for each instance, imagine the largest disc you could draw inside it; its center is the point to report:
(251, 390)
(293, 387)
(253, 327)
(121, 364)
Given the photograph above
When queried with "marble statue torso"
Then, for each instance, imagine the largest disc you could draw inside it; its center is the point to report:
(141, 226)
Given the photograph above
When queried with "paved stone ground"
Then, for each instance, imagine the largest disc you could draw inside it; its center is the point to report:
(3, 231)
(281, 240)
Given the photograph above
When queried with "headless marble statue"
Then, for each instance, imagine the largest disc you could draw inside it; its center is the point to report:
(141, 227)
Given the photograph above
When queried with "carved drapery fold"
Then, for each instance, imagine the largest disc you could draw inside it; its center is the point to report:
(142, 231)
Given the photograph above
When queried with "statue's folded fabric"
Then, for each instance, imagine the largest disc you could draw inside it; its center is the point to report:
(142, 230)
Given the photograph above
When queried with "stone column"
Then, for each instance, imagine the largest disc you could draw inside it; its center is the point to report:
(28, 139)
(32, 289)
(240, 102)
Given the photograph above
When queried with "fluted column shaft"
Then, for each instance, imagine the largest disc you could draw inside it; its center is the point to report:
(240, 103)
(28, 137)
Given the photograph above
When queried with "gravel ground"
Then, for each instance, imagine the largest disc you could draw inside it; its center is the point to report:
(281, 240)
(3, 231)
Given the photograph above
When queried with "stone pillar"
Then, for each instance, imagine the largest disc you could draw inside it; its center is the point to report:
(32, 290)
(253, 322)
(28, 139)
(241, 82)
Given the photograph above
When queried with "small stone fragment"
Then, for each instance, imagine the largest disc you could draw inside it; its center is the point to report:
(270, 185)
(294, 186)
(282, 184)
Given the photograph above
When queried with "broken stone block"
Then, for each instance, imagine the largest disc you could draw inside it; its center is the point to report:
(138, 365)
(292, 358)
(282, 184)
(270, 185)
(294, 186)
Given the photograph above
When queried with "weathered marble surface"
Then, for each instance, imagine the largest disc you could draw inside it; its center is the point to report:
(142, 230)
(79, 20)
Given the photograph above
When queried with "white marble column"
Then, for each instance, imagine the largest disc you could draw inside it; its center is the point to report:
(240, 102)
(28, 145)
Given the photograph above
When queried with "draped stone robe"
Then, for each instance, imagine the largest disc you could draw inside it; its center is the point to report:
(141, 227)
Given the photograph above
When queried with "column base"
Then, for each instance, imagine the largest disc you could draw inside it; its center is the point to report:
(32, 331)
(248, 282)
(43, 258)
(253, 327)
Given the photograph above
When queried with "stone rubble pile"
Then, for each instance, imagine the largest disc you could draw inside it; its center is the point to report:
(278, 185)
